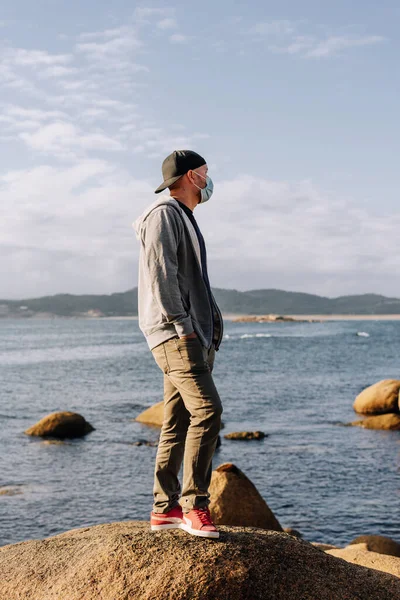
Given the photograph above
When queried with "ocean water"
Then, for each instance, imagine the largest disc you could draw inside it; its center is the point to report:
(295, 382)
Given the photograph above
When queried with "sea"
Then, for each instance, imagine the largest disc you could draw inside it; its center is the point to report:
(296, 382)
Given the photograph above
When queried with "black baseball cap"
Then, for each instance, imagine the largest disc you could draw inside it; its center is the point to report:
(177, 164)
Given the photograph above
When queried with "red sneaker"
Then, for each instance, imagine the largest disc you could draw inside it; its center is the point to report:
(169, 520)
(198, 522)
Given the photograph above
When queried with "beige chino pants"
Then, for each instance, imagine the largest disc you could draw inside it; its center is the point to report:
(192, 421)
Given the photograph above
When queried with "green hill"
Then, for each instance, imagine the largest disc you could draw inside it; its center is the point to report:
(252, 302)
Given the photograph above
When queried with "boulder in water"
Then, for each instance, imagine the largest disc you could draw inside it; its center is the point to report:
(293, 532)
(128, 561)
(388, 421)
(61, 425)
(12, 490)
(380, 398)
(145, 443)
(234, 500)
(323, 547)
(154, 415)
(245, 435)
(378, 543)
(359, 555)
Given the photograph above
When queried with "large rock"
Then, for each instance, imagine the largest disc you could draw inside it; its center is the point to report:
(126, 561)
(388, 422)
(154, 415)
(324, 547)
(10, 491)
(380, 398)
(359, 555)
(245, 435)
(61, 425)
(378, 543)
(234, 500)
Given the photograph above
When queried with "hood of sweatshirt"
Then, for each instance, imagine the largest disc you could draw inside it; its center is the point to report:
(138, 223)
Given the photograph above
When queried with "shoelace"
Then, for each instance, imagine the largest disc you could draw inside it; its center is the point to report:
(204, 515)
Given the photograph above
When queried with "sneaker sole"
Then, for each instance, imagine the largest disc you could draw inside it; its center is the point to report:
(168, 526)
(206, 534)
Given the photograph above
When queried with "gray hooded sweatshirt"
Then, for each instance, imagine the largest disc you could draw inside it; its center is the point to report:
(172, 294)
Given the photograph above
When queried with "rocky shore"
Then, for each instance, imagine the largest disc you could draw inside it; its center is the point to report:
(126, 561)
(254, 558)
(272, 319)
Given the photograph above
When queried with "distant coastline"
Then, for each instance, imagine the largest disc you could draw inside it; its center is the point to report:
(253, 305)
(318, 318)
(228, 317)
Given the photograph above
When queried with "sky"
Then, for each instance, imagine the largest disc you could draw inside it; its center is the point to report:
(293, 104)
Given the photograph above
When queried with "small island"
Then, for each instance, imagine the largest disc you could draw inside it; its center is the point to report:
(272, 319)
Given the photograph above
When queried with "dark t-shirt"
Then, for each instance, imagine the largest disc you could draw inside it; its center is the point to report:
(203, 254)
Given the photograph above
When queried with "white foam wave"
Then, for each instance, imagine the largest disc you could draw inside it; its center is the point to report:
(254, 335)
(362, 334)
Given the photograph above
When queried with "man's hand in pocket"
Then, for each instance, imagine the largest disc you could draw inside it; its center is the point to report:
(190, 336)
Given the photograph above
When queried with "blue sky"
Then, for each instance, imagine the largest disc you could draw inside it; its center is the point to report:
(293, 104)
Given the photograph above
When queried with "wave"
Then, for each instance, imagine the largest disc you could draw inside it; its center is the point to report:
(248, 335)
(362, 334)
(255, 335)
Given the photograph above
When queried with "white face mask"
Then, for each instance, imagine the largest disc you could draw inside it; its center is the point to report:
(207, 191)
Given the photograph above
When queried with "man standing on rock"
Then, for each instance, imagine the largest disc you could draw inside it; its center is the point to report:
(183, 327)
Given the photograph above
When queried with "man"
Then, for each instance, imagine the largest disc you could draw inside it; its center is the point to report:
(183, 327)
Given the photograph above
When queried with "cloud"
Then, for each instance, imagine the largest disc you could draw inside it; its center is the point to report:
(178, 38)
(58, 71)
(298, 237)
(34, 58)
(333, 45)
(122, 42)
(58, 226)
(66, 225)
(274, 28)
(63, 138)
(69, 230)
(33, 113)
(107, 33)
(95, 82)
(167, 24)
(145, 14)
(300, 38)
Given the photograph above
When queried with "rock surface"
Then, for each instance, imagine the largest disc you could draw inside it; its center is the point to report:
(390, 422)
(380, 398)
(126, 561)
(61, 425)
(153, 415)
(10, 490)
(234, 500)
(378, 543)
(359, 555)
(245, 435)
(271, 319)
(324, 547)
(293, 532)
(145, 443)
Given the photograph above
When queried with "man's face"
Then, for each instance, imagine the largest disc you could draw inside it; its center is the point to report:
(198, 177)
